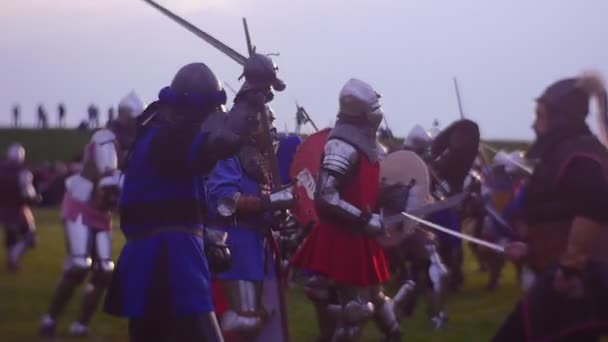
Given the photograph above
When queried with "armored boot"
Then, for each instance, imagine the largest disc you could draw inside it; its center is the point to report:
(62, 295)
(248, 318)
(438, 321)
(350, 319)
(91, 300)
(47, 327)
(76, 270)
(386, 311)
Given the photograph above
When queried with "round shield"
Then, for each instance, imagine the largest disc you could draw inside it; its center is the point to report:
(454, 151)
(304, 170)
(403, 169)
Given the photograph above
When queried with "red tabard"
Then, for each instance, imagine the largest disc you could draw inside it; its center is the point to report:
(335, 251)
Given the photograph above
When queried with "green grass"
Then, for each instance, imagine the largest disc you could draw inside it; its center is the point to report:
(474, 314)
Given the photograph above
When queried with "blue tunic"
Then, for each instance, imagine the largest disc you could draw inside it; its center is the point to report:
(509, 213)
(515, 206)
(161, 268)
(247, 244)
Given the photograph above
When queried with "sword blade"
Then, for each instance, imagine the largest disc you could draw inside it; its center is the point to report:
(228, 51)
(250, 47)
(428, 209)
(498, 218)
(437, 227)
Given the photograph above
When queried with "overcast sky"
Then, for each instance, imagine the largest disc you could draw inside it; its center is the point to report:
(504, 53)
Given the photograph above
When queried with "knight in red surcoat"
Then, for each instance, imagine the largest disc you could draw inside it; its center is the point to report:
(348, 265)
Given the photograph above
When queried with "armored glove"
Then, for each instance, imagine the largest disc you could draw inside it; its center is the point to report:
(107, 193)
(374, 226)
(217, 251)
(283, 220)
(243, 118)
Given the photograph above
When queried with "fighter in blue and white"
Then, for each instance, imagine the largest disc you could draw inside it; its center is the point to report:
(240, 203)
(90, 198)
(449, 155)
(502, 188)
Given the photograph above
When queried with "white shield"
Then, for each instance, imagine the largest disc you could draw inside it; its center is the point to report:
(404, 168)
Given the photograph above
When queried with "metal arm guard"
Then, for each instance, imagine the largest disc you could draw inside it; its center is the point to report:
(226, 133)
(100, 167)
(222, 143)
(282, 199)
(337, 166)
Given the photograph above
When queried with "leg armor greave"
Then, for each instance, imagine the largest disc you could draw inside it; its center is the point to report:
(437, 270)
(386, 309)
(78, 240)
(438, 276)
(246, 315)
(318, 290)
(102, 269)
(77, 264)
(20, 237)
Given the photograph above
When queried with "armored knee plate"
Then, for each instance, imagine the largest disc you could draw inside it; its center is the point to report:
(102, 273)
(385, 310)
(76, 268)
(317, 289)
(355, 309)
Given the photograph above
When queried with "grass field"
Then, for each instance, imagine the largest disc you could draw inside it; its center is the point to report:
(473, 314)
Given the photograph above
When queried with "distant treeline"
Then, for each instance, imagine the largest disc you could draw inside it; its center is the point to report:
(46, 145)
(67, 144)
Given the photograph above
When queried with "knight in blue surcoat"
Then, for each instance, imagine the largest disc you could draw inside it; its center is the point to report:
(162, 278)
